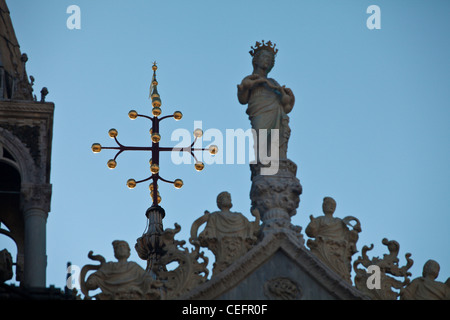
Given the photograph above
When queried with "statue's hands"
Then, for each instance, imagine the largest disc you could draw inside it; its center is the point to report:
(287, 98)
(252, 81)
(286, 95)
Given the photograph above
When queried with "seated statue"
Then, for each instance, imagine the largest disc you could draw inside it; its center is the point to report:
(334, 242)
(227, 234)
(122, 280)
(426, 287)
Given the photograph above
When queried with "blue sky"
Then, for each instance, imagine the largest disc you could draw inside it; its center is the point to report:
(370, 127)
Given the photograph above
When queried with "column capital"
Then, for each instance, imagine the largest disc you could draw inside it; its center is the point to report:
(35, 196)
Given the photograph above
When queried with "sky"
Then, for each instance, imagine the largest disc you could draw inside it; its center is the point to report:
(370, 126)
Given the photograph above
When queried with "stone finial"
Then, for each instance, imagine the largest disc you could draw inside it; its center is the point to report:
(334, 239)
(229, 235)
(44, 93)
(426, 287)
(122, 280)
(386, 269)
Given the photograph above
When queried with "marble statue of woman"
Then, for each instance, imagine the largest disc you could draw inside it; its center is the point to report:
(122, 280)
(268, 102)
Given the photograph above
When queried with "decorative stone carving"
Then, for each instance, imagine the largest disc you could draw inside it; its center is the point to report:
(122, 280)
(229, 235)
(426, 287)
(389, 265)
(276, 198)
(275, 191)
(22, 88)
(268, 102)
(282, 289)
(334, 239)
(36, 196)
(189, 273)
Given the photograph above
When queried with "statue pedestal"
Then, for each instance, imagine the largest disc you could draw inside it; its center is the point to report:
(276, 197)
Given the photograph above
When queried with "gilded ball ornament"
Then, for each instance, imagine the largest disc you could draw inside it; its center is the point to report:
(131, 183)
(156, 103)
(177, 115)
(111, 163)
(132, 114)
(213, 149)
(199, 166)
(154, 168)
(198, 133)
(178, 183)
(113, 133)
(156, 137)
(96, 147)
(156, 111)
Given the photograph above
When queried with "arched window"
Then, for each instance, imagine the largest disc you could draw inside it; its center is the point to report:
(11, 218)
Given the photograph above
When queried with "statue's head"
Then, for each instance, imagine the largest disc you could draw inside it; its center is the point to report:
(264, 55)
(224, 201)
(431, 269)
(329, 205)
(121, 249)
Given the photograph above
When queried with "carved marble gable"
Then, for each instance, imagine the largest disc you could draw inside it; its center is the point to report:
(278, 267)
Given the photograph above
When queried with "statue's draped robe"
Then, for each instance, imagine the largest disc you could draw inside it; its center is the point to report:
(265, 111)
(334, 243)
(228, 235)
(221, 224)
(115, 278)
(426, 289)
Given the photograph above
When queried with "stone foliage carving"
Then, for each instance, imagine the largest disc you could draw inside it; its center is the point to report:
(276, 198)
(282, 289)
(388, 267)
(189, 273)
(122, 280)
(426, 287)
(229, 235)
(334, 239)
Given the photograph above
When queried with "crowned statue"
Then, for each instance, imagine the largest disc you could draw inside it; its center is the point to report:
(275, 191)
(268, 101)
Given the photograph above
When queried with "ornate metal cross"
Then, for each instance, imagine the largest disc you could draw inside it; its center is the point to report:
(148, 246)
(154, 148)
